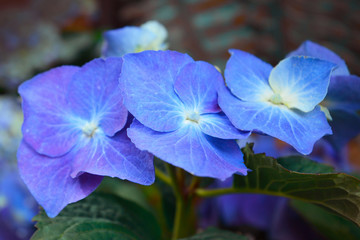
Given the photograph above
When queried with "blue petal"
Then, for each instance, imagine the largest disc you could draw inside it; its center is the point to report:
(126, 40)
(191, 150)
(315, 50)
(115, 157)
(343, 94)
(48, 125)
(218, 125)
(301, 82)
(301, 130)
(94, 95)
(147, 80)
(247, 76)
(196, 86)
(49, 180)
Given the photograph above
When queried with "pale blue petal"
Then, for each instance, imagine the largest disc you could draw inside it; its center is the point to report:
(196, 86)
(301, 82)
(159, 31)
(301, 130)
(190, 149)
(247, 76)
(115, 157)
(94, 95)
(48, 125)
(311, 49)
(218, 125)
(49, 180)
(147, 80)
(125, 40)
(343, 94)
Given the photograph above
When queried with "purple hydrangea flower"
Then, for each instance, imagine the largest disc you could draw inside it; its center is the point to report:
(149, 36)
(74, 133)
(174, 101)
(280, 101)
(343, 98)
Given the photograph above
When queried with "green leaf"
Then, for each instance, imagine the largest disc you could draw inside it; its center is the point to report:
(216, 234)
(330, 225)
(99, 216)
(338, 191)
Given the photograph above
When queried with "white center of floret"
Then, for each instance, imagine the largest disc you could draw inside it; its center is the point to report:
(90, 129)
(192, 117)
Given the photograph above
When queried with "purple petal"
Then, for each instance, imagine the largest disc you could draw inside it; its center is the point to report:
(94, 94)
(315, 50)
(301, 130)
(196, 86)
(147, 80)
(247, 76)
(219, 126)
(301, 82)
(46, 113)
(343, 94)
(49, 180)
(191, 150)
(115, 157)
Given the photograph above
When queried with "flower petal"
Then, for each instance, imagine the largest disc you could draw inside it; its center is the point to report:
(115, 157)
(125, 40)
(94, 94)
(311, 49)
(301, 130)
(191, 150)
(343, 94)
(247, 76)
(196, 86)
(49, 181)
(301, 82)
(218, 125)
(46, 112)
(148, 78)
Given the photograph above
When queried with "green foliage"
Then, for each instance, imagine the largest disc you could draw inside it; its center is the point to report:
(330, 225)
(99, 216)
(302, 179)
(216, 234)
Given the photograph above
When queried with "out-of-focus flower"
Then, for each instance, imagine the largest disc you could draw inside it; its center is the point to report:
(74, 133)
(31, 47)
(174, 101)
(280, 101)
(149, 36)
(10, 127)
(17, 207)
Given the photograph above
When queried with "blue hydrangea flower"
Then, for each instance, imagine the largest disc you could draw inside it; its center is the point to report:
(343, 98)
(149, 36)
(174, 101)
(74, 133)
(281, 101)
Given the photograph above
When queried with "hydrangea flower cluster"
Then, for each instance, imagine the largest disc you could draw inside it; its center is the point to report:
(77, 128)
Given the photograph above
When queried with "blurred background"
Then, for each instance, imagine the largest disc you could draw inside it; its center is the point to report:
(36, 35)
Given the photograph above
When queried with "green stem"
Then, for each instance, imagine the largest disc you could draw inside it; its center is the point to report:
(223, 191)
(179, 210)
(163, 177)
(179, 214)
